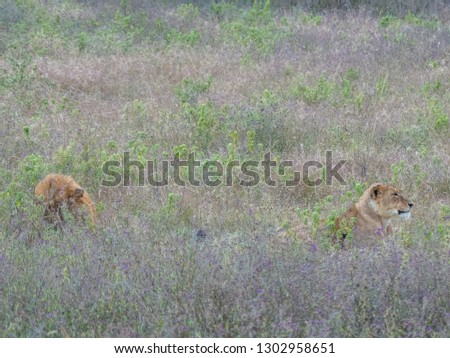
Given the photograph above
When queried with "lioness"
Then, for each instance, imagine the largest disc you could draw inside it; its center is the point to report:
(57, 190)
(372, 214)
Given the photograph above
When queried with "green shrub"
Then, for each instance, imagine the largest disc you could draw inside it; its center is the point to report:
(189, 90)
(256, 29)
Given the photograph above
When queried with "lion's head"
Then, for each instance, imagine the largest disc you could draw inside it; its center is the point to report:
(389, 201)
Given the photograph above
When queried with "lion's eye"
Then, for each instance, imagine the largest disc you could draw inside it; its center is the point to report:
(395, 194)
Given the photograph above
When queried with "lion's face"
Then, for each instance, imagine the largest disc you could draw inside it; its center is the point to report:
(389, 201)
(74, 195)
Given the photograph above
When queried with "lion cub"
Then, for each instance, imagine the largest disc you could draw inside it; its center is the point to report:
(57, 190)
(373, 213)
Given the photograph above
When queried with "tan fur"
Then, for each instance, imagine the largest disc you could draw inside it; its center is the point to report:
(56, 190)
(373, 213)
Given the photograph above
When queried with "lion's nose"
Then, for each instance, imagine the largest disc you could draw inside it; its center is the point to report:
(410, 205)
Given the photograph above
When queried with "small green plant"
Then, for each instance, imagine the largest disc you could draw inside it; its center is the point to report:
(288, 70)
(433, 64)
(138, 146)
(381, 87)
(65, 159)
(204, 118)
(31, 169)
(189, 38)
(232, 147)
(127, 29)
(443, 227)
(411, 19)
(172, 199)
(189, 90)
(435, 87)
(443, 230)
(359, 188)
(265, 119)
(322, 91)
(352, 195)
(79, 161)
(268, 98)
(136, 111)
(351, 75)
(188, 11)
(180, 151)
(313, 216)
(311, 19)
(433, 24)
(437, 114)
(18, 193)
(123, 21)
(82, 41)
(125, 7)
(22, 72)
(223, 10)
(26, 132)
(359, 100)
(389, 20)
(303, 215)
(251, 134)
(397, 170)
(206, 122)
(257, 28)
(112, 145)
(419, 174)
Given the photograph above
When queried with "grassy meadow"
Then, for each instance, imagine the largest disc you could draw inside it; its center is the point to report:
(83, 82)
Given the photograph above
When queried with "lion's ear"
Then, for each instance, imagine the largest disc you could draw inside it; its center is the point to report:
(79, 193)
(376, 191)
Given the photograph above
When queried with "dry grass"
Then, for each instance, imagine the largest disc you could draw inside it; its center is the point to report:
(201, 261)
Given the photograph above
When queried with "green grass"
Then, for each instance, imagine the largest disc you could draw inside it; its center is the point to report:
(83, 82)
